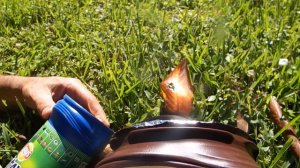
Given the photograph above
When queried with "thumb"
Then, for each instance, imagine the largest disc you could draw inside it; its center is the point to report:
(44, 105)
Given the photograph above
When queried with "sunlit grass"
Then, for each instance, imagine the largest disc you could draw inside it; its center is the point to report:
(123, 49)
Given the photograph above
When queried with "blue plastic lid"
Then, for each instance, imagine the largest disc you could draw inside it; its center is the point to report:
(79, 127)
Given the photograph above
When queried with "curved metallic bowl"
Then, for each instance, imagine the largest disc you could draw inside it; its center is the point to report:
(173, 141)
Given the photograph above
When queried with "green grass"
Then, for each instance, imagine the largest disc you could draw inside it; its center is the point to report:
(123, 49)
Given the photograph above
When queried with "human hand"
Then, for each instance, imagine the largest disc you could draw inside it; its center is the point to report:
(41, 93)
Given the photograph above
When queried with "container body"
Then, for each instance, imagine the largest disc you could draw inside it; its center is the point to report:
(69, 139)
(48, 148)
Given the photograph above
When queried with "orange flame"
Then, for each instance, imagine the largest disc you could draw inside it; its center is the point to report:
(177, 91)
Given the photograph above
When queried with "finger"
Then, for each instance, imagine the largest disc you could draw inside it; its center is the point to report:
(84, 97)
(44, 104)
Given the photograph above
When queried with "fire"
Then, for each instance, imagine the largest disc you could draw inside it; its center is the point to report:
(177, 91)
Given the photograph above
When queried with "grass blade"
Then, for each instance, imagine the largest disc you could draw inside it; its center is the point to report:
(280, 154)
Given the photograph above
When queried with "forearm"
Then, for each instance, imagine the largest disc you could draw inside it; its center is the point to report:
(10, 89)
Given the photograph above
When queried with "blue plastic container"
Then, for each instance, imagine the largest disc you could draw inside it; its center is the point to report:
(69, 139)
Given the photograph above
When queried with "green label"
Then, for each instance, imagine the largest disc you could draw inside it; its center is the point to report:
(48, 149)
